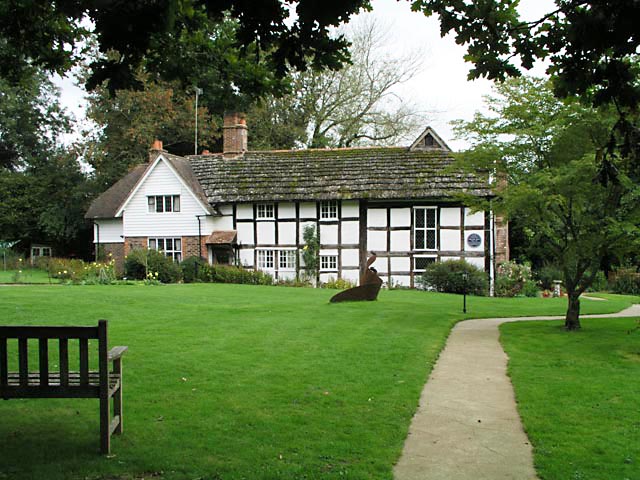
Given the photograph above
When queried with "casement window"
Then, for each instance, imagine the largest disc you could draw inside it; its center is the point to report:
(328, 262)
(163, 203)
(425, 228)
(171, 247)
(265, 259)
(265, 211)
(420, 263)
(277, 259)
(287, 260)
(329, 210)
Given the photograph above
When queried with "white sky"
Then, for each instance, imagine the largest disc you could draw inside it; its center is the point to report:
(441, 89)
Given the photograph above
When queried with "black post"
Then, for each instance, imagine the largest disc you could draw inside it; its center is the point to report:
(464, 292)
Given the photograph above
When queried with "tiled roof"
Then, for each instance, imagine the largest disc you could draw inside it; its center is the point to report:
(109, 202)
(222, 237)
(351, 173)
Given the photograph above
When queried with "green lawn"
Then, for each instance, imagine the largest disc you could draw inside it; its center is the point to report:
(579, 396)
(26, 275)
(231, 382)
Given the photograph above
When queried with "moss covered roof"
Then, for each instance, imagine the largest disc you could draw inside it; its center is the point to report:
(353, 173)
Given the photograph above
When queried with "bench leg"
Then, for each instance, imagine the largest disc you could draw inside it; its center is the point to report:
(105, 433)
(117, 409)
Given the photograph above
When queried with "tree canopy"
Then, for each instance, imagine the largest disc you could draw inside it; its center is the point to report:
(52, 35)
(549, 152)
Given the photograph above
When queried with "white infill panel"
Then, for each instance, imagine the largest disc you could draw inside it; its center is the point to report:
(376, 241)
(286, 233)
(400, 280)
(352, 276)
(266, 233)
(450, 240)
(400, 241)
(450, 217)
(221, 223)
(350, 258)
(400, 217)
(304, 225)
(377, 217)
(308, 210)
(286, 210)
(246, 257)
(245, 233)
(477, 261)
(328, 234)
(400, 264)
(244, 211)
(350, 208)
(350, 233)
(473, 219)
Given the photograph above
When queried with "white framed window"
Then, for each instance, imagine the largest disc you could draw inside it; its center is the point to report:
(265, 211)
(171, 247)
(163, 203)
(329, 210)
(287, 259)
(425, 228)
(420, 263)
(265, 259)
(328, 262)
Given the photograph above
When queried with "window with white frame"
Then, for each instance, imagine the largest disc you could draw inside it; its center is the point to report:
(265, 211)
(328, 262)
(420, 263)
(171, 247)
(287, 260)
(425, 228)
(329, 210)
(163, 203)
(265, 259)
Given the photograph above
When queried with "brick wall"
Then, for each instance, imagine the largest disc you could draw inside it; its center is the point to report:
(234, 134)
(117, 253)
(190, 247)
(502, 239)
(134, 242)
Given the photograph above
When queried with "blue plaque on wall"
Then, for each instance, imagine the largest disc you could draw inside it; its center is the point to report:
(474, 240)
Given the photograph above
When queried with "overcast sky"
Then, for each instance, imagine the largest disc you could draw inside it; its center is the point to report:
(441, 90)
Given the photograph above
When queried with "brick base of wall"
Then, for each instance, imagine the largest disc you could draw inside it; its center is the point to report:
(114, 251)
(502, 239)
(190, 247)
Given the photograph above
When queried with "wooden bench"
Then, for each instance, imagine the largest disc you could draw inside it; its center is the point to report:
(64, 383)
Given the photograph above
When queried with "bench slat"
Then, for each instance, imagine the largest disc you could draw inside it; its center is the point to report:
(48, 332)
(43, 356)
(63, 350)
(84, 361)
(4, 364)
(23, 360)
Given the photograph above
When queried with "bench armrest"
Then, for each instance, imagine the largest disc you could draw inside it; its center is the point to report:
(116, 352)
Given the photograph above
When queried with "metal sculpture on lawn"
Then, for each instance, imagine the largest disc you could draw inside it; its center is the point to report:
(370, 284)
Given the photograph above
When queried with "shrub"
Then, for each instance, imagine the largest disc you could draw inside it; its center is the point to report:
(448, 277)
(547, 274)
(103, 273)
(530, 289)
(231, 274)
(140, 262)
(600, 283)
(512, 278)
(294, 282)
(338, 284)
(626, 280)
(195, 269)
(66, 269)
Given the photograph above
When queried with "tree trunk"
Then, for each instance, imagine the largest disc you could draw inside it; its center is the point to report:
(572, 320)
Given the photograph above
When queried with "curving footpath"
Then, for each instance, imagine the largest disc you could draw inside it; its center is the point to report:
(467, 425)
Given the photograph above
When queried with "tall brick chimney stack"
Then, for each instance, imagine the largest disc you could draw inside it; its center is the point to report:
(234, 134)
(155, 150)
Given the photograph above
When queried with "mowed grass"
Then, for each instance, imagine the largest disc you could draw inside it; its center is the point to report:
(233, 382)
(579, 396)
(27, 275)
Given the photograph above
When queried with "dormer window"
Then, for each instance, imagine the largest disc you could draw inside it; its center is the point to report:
(163, 203)
(265, 211)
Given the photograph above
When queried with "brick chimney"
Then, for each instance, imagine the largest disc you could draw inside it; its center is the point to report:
(155, 150)
(234, 134)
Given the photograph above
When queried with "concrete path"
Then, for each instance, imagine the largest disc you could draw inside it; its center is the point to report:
(467, 426)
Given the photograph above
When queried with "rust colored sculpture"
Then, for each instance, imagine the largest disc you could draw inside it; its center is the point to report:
(370, 284)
